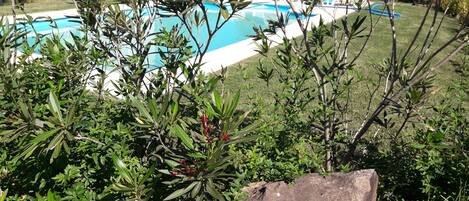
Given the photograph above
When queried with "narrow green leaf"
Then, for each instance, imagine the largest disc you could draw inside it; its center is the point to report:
(71, 115)
(175, 108)
(29, 151)
(182, 135)
(3, 195)
(197, 155)
(180, 192)
(217, 100)
(141, 108)
(120, 187)
(210, 111)
(50, 196)
(6, 133)
(164, 171)
(171, 163)
(214, 192)
(122, 169)
(154, 109)
(55, 106)
(24, 110)
(149, 172)
(236, 124)
(66, 147)
(233, 105)
(56, 152)
(174, 181)
(195, 191)
(55, 141)
(44, 136)
(248, 129)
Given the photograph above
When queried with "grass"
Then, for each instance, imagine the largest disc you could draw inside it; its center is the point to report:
(243, 76)
(37, 6)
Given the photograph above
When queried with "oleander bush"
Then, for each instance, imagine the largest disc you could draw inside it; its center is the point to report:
(320, 121)
(170, 132)
(67, 135)
(430, 158)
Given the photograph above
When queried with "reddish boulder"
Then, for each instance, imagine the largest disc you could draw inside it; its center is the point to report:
(360, 185)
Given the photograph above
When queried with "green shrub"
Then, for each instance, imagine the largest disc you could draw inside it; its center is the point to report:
(65, 136)
(426, 163)
(317, 120)
(458, 8)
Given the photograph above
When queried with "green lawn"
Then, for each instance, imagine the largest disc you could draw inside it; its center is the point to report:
(243, 76)
(37, 6)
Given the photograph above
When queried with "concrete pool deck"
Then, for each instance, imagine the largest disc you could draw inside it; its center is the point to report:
(229, 55)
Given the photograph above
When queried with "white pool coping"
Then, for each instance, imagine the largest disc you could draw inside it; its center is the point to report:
(226, 56)
(234, 53)
(52, 14)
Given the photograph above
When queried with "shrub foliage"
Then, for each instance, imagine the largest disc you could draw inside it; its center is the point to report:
(93, 116)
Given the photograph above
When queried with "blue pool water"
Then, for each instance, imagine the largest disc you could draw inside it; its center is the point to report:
(237, 29)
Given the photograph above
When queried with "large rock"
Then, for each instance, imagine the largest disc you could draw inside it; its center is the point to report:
(354, 186)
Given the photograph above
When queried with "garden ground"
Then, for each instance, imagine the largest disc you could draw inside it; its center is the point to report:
(243, 76)
(38, 6)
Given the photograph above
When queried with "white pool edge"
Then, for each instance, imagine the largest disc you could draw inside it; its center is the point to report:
(237, 52)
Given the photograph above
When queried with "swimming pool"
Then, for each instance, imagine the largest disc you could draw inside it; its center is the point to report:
(237, 29)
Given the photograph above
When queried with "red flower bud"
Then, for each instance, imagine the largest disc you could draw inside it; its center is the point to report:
(173, 173)
(189, 171)
(225, 137)
(183, 162)
(204, 125)
(204, 120)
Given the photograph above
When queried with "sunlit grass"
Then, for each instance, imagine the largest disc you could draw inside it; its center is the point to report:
(37, 6)
(243, 76)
